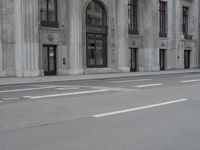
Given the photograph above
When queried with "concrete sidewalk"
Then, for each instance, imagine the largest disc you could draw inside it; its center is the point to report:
(13, 81)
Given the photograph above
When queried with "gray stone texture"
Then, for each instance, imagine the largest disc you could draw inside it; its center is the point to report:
(22, 37)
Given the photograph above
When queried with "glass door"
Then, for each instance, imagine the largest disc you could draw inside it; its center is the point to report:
(187, 59)
(133, 60)
(96, 51)
(162, 59)
(49, 60)
(96, 34)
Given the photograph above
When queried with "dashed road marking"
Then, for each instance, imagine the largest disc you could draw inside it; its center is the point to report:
(127, 81)
(191, 76)
(65, 94)
(138, 108)
(189, 81)
(10, 99)
(63, 88)
(28, 89)
(149, 85)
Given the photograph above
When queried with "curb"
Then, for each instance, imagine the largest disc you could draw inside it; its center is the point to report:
(89, 77)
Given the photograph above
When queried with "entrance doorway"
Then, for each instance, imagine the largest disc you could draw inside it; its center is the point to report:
(133, 59)
(49, 60)
(96, 50)
(187, 54)
(96, 35)
(162, 59)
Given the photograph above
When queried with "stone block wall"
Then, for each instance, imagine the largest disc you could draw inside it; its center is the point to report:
(22, 37)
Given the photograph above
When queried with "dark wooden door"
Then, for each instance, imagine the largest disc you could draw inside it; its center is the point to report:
(96, 51)
(187, 59)
(162, 59)
(49, 60)
(133, 60)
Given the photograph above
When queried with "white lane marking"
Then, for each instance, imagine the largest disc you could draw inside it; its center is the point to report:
(10, 99)
(189, 81)
(65, 94)
(127, 81)
(28, 89)
(191, 76)
(1, 101)
(63, 89)
(148, 85)
(8, 86)
(138, 108)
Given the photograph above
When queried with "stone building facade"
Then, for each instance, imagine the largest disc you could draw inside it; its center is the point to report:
(61, 37)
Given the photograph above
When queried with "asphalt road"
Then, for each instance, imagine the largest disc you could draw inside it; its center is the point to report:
(139, 113)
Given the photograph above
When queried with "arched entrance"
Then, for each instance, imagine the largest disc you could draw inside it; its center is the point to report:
(96, 35)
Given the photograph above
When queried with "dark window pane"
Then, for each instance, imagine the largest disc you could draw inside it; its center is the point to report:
(95, 14)
(52, 10)
(45, 58)
(51, 59)
(48, 13)
(163, 18)
(96, 50)
(185, 20)
(43, 10)
(133, 16)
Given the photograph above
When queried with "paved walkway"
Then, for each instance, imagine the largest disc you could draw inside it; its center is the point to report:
(10, 81)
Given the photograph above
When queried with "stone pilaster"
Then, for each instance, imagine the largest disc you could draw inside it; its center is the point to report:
(198, 41)
(194, 31)
(179, 35)
(171, 51)
(26, 38)
(151, 35)
(122, 35)
(75, 36)
(18, 38)
(1, 54)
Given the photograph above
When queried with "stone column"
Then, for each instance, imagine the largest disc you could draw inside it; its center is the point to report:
(122, 35)
(75, 36)
(199, 36)
(26, 38)
(18, 38)
(179, 35)
(171, 52)
(194, 23)
(151, 35)
(1, 57)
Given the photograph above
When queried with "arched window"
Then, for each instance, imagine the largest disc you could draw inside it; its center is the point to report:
(48, 13)
(96, 26)
(96, 14)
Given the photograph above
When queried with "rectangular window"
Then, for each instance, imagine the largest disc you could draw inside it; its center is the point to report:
(185, 20)
(186, 23)
(163, 19)
(133, 16)
(48, 13)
